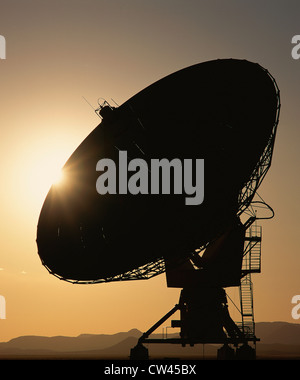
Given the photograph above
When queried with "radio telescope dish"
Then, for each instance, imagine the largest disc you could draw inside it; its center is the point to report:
(223, 111)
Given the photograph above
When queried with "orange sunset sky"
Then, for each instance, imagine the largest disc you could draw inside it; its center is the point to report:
(61, 50)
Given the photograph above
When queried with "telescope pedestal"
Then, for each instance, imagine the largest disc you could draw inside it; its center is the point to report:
(204, 318)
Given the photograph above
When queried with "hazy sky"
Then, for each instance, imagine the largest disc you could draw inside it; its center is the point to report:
(61, 50)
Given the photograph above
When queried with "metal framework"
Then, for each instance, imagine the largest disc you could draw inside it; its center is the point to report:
(263, 165)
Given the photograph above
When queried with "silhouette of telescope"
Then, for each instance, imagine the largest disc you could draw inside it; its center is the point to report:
(224, 112)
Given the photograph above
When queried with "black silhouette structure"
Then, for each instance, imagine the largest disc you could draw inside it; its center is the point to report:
(224, 111)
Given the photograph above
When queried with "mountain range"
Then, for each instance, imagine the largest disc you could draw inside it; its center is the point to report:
(278, 340)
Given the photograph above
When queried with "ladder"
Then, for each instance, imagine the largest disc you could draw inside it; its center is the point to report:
(246, 297)
(251, 264)
(252, 250)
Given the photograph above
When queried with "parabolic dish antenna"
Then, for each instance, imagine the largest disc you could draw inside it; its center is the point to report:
(224, 112)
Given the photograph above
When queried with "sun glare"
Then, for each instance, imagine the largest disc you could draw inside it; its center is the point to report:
(47, 171)
(58, 177)
(42, 169)
(55, 175)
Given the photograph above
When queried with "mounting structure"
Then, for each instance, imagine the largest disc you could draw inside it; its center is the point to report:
(240, 334)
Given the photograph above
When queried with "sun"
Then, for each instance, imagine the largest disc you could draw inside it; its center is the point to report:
(41, 169)
(45, 172)
(52, 173)
(58, 177)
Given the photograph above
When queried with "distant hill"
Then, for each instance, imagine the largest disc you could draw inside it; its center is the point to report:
(278, 340)
(82, 342)
(278, 332)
